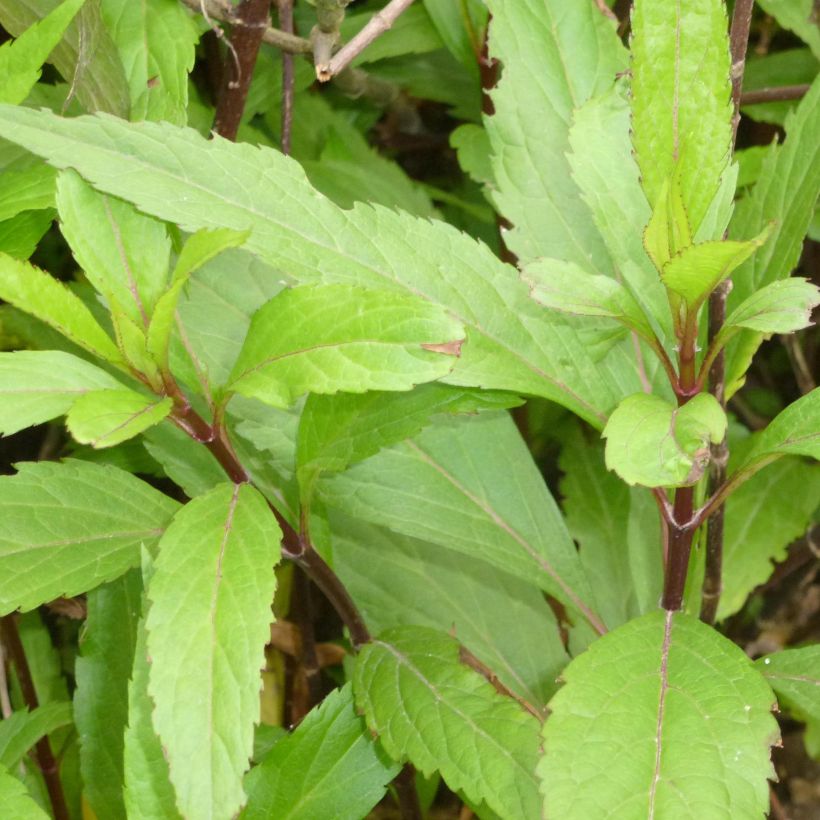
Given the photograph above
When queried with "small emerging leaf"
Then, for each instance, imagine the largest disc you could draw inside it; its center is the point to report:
(668, 232)
(324, 339)
(653, 443)
(103, 418)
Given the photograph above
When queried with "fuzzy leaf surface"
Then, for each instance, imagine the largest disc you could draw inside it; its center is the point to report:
(21, 60)
(429, 708)
(39, 294)
(673, 712)
(780, 307)
(574, 53)
(103, 418)
(794, 674)
(435, 488)
(680, 99)
(177, 175)
(22, 729)
(70, 526)
(327, 338)
(656, 444)
(39, 385)
(329, 766)
(15, 801)
(214, 570)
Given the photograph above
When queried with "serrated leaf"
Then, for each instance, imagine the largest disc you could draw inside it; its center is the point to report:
(125, 257)
(504, 621)
(103, 418)
(21, 60)
(15, 801)
(156, 41)
(28, 189)
(565, 287)
(337, 431)
(472, 146)
(430, 709)
(101, 698)
(781, 307)
(575, 53)
(697, 270)
(798, 15)
(39, 385)
(21, 730)
(656, 444)
(176, 174)
(70, 526)
(329, 766)
(668, 231)
(673, 712)
(434, 488)
(39, 294)
(214, 570)
(793, 674)
(324, 339)
(681, 111)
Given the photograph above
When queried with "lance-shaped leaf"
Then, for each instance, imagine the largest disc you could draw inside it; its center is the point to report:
(337, 431)
(103, 418)
(29, 189)
(21, 730)
(681, 111)
(69, 527)
(101, 698)
(676, 717)
(654, 443)
(39, 385)
(575, 54)
(156, 40)
(125, 257)
(39, 294)
(329, 767)
(781, 307)
(15, 801)
(668, 231)
(566, 287)
(324, 339)
(794, 674)
(22, 59)
(433, 487)
(214, 571)
(697, 270)
(177, 175)
(427, 707)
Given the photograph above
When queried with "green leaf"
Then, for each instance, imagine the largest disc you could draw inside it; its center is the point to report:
(504, 621)
(656, 444)
(103, 418)
(566, 287)
(214, 570)
(697, 270)
(472, 145)
(793, 674)
(429, 708)
(176, 174)
(673, 713)
(496, 507)
(668, 231)
(757, 534)
(575, 53)
(39, 294)
(329, 767)
(125, 257)
(15, 801)
(791, 66)
(337, 431)
(101, 698)
(21, 730)
(20, 235)
(70, 526)
(156, 41)
(323, 339)
(780, 307)
(681, 111)
(86, 56)
(797, 15)
(29, 189)
(461, 25)
(39, 385)
(22, 59)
